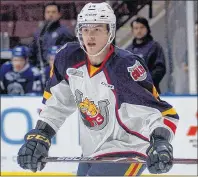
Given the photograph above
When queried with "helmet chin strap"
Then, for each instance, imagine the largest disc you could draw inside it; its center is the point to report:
(94, 55)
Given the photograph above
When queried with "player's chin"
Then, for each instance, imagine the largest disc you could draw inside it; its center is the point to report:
(92, 50)
(140, 37)
(18, 68)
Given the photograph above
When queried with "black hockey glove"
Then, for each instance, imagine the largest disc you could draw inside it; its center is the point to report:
(160, 155)
(36, 146)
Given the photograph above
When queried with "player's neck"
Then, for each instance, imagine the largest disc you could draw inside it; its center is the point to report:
(97, 60)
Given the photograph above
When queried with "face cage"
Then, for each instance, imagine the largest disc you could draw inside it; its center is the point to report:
(110, 40)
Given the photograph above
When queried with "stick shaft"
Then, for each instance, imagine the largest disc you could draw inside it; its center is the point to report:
(111, 160)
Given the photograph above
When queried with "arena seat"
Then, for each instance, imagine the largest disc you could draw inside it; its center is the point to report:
(25, 28)
(7, 27)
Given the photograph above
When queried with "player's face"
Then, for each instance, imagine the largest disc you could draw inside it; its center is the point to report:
(18, 63)
(139, 30)
(95, 37)
(52, 13)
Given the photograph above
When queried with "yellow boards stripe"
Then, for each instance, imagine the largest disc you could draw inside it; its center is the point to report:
(35, 174)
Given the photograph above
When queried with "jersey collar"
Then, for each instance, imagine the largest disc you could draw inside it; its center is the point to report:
(107, 57)
(27, 65)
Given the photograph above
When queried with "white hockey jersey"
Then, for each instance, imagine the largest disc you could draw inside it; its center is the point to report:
(118, 105)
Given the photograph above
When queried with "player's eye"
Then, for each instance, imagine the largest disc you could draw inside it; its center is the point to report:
(97, 29)
(85, 30)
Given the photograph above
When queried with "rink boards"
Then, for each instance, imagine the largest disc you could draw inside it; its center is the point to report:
(19, 114)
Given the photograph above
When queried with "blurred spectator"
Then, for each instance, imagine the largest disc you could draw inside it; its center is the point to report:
(51, 34)
(150, 50)
(17, 76)
(50, 58)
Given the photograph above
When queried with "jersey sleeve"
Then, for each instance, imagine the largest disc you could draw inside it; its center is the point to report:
(166, 117)
(58, 98)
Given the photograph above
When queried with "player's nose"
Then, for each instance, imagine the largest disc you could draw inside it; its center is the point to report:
(91, 38)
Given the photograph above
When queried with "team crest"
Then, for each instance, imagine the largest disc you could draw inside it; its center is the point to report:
(95, 117)
(137, 72)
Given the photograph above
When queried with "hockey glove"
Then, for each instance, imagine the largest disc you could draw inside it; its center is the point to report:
(160, 155)
(36, 146)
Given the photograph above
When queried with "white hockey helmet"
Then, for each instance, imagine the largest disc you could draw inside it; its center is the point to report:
(94, 13)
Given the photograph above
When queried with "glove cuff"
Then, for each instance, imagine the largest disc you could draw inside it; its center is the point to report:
(161, 133)
(45, 128)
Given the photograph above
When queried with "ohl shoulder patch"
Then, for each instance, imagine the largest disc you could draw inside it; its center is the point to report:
(137, 72)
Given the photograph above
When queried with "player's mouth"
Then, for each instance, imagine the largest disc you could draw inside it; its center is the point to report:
(91, 44)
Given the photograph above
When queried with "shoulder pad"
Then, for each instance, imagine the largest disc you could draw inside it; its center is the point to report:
(128, 57)
(69, 46)
(125, 54)
(66, 56)
(7, 65)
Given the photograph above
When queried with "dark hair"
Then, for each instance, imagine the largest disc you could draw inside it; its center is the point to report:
(52, 4)
(143, 21)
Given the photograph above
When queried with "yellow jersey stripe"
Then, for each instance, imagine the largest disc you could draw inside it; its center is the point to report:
(171, 111)
(46, 95)
(127, 173)
(92, 70)
(129, 170)
(155, 93)
(134, 169)
(137, 170)
(52, 71)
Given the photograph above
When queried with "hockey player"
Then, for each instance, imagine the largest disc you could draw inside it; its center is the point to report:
(18, 77)
(121, 114)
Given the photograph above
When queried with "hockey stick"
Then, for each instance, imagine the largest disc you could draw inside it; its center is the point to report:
(111, 160)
